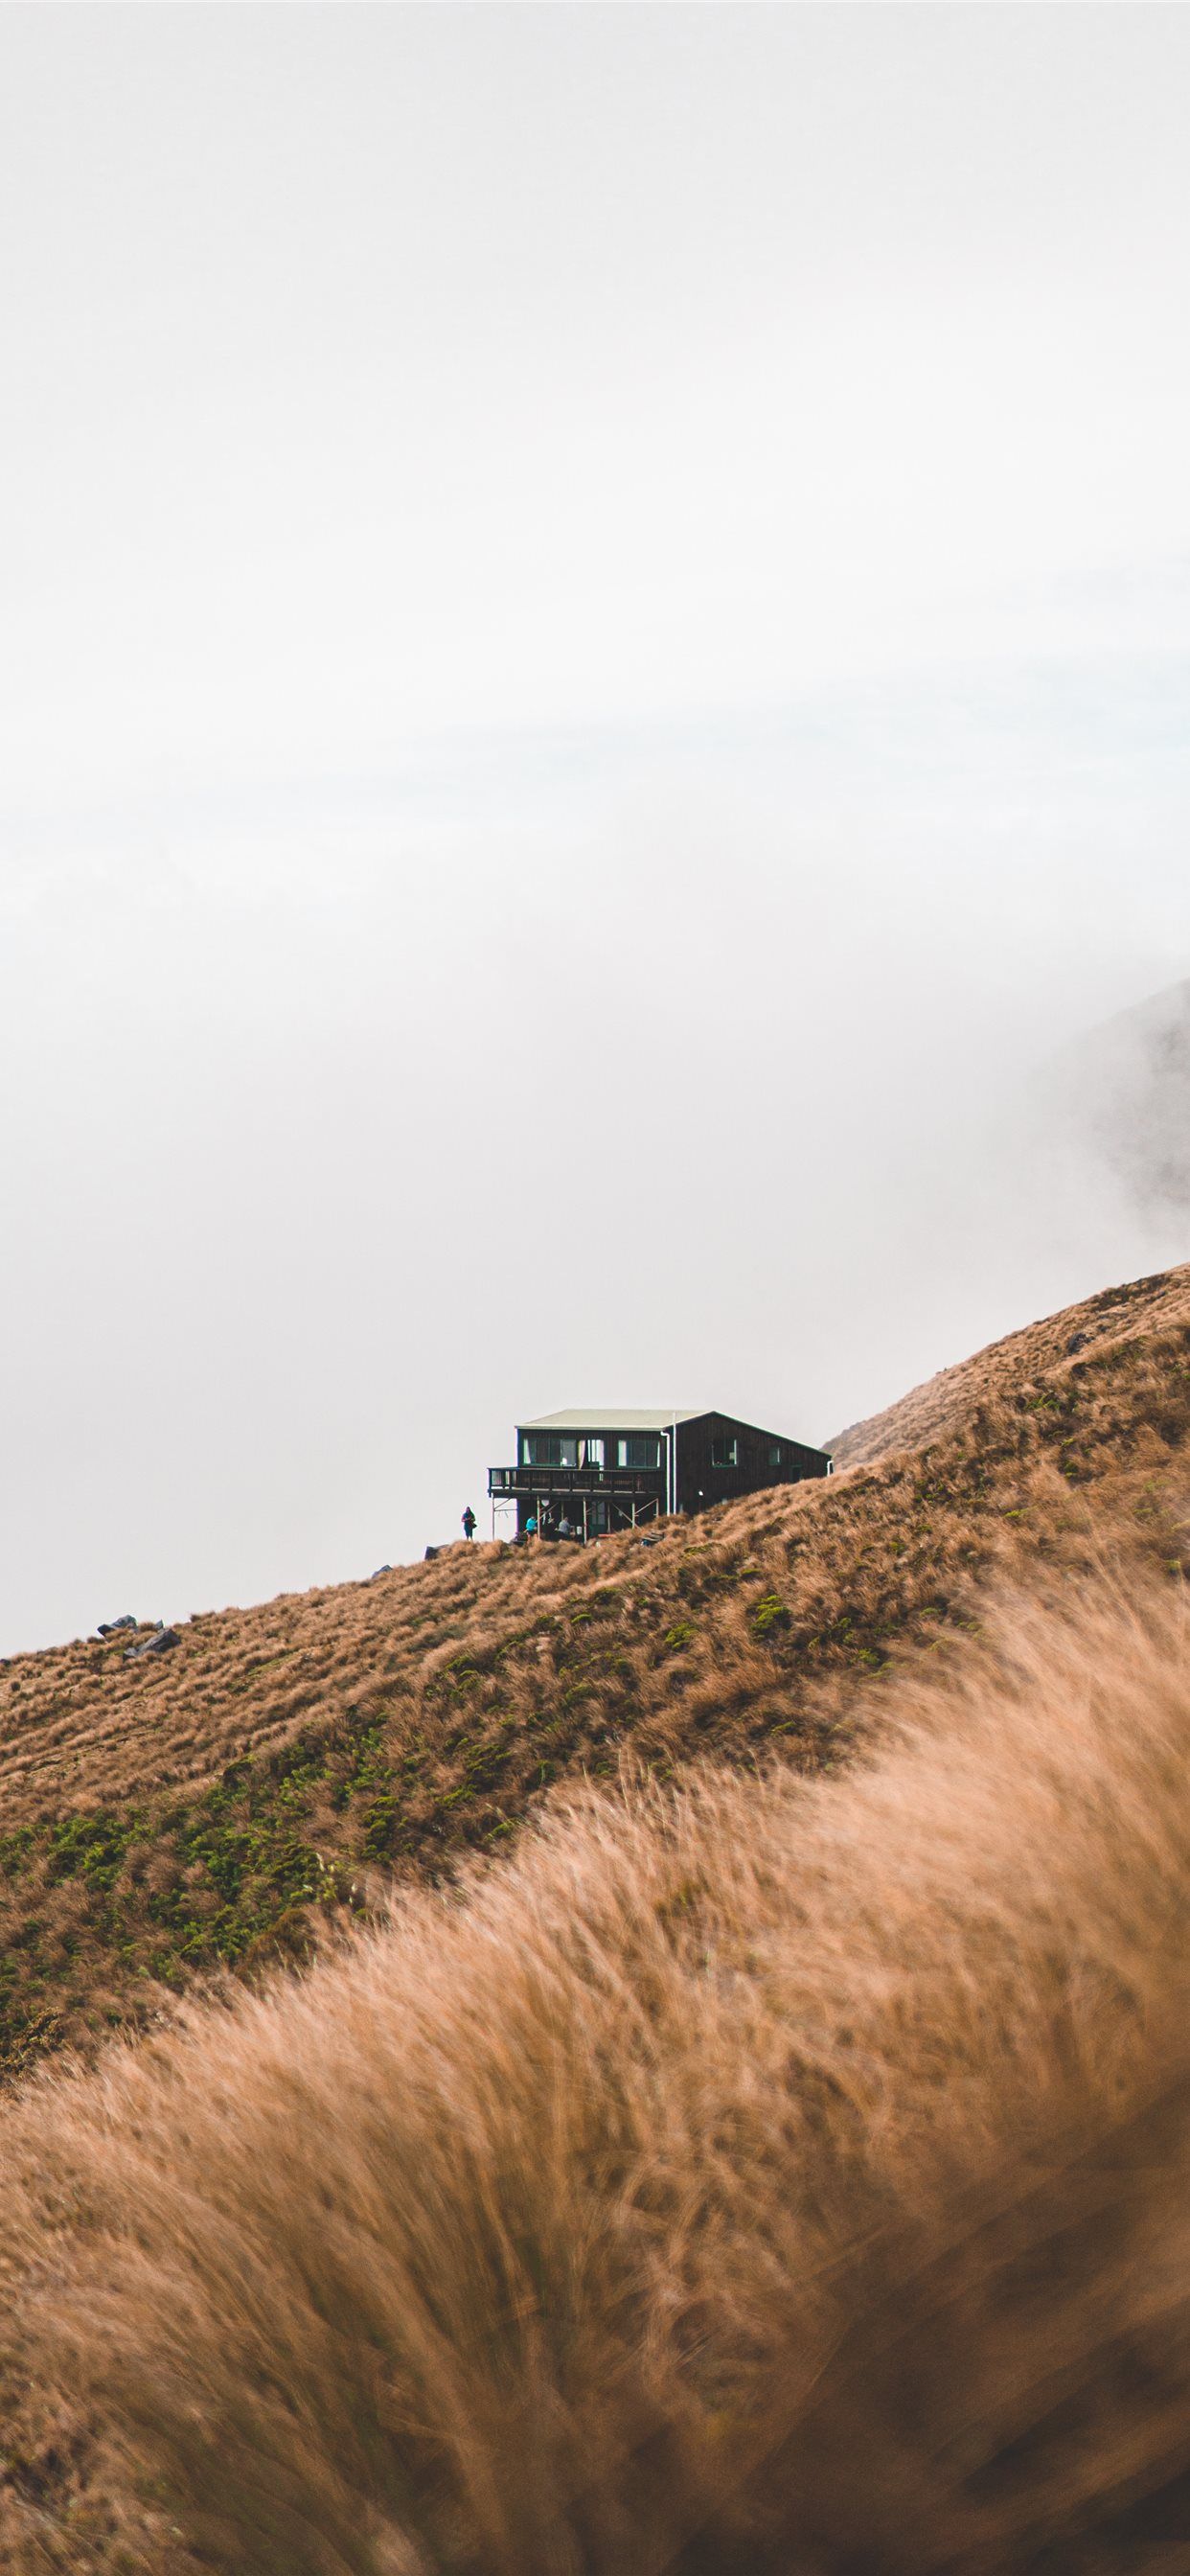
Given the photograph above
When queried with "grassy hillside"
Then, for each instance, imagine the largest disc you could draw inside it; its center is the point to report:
(179, 1816)
(778, 2162)
(765, 2175)
(1116, 1315)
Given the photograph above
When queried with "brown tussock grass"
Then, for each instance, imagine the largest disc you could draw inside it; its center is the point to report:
(1112, 1317)
(772, 2174)
(492, 1679)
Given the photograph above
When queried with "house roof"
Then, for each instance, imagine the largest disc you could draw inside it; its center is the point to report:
(615, 1417)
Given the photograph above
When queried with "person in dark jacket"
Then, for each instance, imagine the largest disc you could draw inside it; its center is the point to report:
(468, 1523)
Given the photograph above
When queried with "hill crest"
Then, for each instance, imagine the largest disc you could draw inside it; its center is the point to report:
(208, 1810)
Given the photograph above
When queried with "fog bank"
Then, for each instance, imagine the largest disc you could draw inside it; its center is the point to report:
(597, 626)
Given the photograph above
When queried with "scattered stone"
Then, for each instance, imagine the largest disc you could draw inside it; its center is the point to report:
(381, 1569)
(431, 1553)
(112, 1627)
(1077, 1342)
(158, 1644)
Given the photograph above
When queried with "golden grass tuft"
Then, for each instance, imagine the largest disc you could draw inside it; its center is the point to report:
(761, 2175)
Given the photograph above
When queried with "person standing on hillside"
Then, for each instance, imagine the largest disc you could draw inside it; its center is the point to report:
(468, 1523)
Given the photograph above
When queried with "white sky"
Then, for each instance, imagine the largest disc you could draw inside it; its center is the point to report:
(593, 664)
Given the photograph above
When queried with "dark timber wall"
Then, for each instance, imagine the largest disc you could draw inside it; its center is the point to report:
(761, 1458)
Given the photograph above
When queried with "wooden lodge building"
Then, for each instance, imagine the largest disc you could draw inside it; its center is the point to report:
(609, 1469)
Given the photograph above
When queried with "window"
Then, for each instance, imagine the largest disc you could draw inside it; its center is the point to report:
(639, 1451)
(591, 1453)
(723, 1450)
(776, 1453)
(550, 1449)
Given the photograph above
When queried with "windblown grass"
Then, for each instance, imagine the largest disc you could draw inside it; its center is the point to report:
(165, 1821)
(754, 2175)
(1126, 1313)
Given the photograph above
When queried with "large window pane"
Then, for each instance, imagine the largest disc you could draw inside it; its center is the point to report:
(640, 1451)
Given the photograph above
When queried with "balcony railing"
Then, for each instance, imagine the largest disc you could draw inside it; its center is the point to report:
(632, 1484)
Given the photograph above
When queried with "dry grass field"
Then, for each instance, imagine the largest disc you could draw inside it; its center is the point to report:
(763, 2177)
(1123, 1314)
(734, 2116)
(180, 1817)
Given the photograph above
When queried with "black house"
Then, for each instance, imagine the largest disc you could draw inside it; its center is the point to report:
(610, 1468)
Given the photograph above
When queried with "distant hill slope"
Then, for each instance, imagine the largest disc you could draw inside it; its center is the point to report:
(929, 1411)
(175, 1817)
(1125, 1088)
